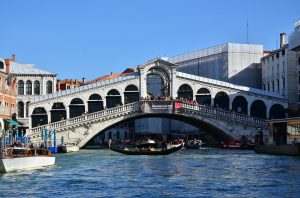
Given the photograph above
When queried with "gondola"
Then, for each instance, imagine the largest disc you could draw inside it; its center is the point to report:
(140, 152)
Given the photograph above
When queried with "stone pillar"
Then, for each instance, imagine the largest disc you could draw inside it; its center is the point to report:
(49, 116)
(54, 85)
(230, 104)
(68, 112)
(173, 83)
(86, 106)
(42, 88)
(249, 108)
(143, 83)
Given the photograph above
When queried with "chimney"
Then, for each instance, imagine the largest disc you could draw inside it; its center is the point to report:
(7, 63)
(83, 80)
(282, 39)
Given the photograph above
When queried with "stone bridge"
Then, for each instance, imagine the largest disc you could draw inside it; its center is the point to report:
(81, 112)
(221, 124)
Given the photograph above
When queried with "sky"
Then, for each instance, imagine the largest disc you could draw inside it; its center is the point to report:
(91, 38)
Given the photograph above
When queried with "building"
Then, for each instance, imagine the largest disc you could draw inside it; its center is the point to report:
(231, 62)
(294, 43)
(68, 84)
(30, 82)
(7, 95)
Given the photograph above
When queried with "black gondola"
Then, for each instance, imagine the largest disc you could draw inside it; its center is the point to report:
(160, 152)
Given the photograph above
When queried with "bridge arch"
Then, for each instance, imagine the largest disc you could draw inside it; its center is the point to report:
(39, 117)
(58, 112)
(76, 107)
(113, 98)
(203, 96)
(185, 91)
(217, 130)
(131, 94)
(277, 111)
(221, 100)
(240, 105)
(95, 103)
(258, 109)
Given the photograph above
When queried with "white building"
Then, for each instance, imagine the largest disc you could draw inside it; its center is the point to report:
(294, 46)
(230, 62)
(31, 82)
(279, 72)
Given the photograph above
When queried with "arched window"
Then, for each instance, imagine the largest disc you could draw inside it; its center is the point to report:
(1, 65)
(131, 94)
(20, 87)
(27, 109)
(49, 87)
(37, 90)
(185, 91)
(299, 60)
(21, 109)
(28, 87)
(113, 98)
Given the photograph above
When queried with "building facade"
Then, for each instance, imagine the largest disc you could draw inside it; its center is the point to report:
(7, 94)
(234, 63)
(30, 82)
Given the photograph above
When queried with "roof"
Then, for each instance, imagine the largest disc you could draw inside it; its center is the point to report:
(27, 69)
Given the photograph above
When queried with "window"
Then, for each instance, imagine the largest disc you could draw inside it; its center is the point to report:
(49, 87)
(1, 65)
(28, 87)
(272, 58)
(277, 55)
(264, 87)
(283, 83)
(283, 52)
(299, 60)
(268, 86)
(273, 87)
(20, 87)
(278, 85)
(299, 77)
(37, 88)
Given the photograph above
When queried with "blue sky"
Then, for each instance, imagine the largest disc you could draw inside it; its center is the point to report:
(91, 38)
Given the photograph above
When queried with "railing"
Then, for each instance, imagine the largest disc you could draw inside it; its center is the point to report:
(225, 114)
(134, 107)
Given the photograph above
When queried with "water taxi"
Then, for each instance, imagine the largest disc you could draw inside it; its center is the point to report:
(22, 158)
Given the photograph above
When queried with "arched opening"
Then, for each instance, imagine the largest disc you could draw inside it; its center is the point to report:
(27, 109)
(39, 117)
(185, 92)
(37, 88)
(203, 97)
(131, 94)
(58, 112)
(76, 108)
(28, 87)
(240, 105)
(113, 99)
(95, 103)
(155, 86)
(20, 109)
(277, 111)
(20, 87)
(49, 87)
(1, 65)
(258, 109)
(221, 100)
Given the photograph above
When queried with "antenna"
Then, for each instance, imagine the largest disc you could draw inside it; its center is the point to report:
(247, 32)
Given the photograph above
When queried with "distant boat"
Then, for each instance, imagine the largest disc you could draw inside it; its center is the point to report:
(148, 152)
(237, 146)
(68, 148)
(21, 158)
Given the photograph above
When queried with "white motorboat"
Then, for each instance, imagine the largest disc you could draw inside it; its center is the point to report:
(21, 158)
(68, 148)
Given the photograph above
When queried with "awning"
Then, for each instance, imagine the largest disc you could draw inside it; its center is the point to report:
(13, 122)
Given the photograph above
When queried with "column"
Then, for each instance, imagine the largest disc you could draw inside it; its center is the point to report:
(68, 112)
(143, 83)
(173, 83)
(49, 116)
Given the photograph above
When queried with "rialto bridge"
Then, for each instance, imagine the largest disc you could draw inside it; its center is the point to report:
(225, 109)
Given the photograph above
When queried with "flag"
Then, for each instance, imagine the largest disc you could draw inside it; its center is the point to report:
(8, 79)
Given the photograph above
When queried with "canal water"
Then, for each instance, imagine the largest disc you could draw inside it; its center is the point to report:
(187, 173)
